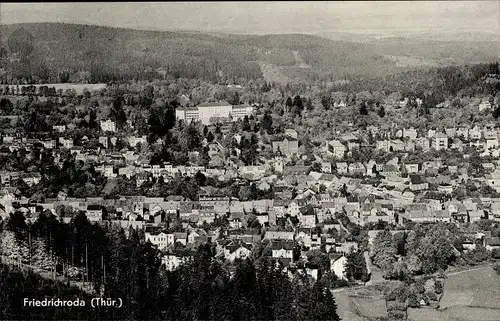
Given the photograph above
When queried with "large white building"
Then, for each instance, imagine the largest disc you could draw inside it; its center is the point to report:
(108, 126)
(162, 240)
(206, 112)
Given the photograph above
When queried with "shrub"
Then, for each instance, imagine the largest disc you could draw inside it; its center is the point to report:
(413, 300)
(399, 293)
(420, 285)
(496, 267)
(438, 287)
(397, 315)
(431, 295)
(390, 296)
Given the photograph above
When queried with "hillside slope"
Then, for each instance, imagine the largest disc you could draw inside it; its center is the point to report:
(114, 53)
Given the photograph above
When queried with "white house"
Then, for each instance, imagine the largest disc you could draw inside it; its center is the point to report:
(282, 249)
(440, 141)
(335, 148)
(484, 105)
(108, 126)
(162, 240)
(338, 263)
(237, 251)
(172, 262)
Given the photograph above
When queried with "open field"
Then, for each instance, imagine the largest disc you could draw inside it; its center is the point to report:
(478, 288)
(472, 295)
(405, 61)
(345, 308)
(272, 73)
(456, 313)
(365, 303)
(370, 307)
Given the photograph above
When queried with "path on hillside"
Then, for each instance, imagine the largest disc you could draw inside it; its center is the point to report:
(299, 60)
(273, 73)
(468, 270)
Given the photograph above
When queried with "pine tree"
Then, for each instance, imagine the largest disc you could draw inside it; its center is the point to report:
(381, 111)
(363, 110)
(322, 305)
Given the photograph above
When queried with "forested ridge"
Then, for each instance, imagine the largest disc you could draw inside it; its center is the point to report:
(101, 54)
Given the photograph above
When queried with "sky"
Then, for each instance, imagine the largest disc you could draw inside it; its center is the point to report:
(270, 17)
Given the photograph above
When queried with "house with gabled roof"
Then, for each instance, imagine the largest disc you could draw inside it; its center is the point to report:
(237, 250)
(418, 183)
(492, 243)
(286, 146)
(94, 213)
(307, 216)
(160, 239)
(180, 237)
(282, 249)
(335, 148)
(279, 235)
(342, 168)
(338, 262)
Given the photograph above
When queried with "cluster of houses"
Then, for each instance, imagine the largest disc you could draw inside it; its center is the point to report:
(307, 200)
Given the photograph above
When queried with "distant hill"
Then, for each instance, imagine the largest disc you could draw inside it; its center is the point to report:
(446, 36)
(113, 53)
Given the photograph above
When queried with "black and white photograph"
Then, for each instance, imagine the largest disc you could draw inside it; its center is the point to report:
(250, 161)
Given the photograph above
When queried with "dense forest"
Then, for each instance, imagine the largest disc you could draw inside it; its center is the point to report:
(251, 290)
(51, 52)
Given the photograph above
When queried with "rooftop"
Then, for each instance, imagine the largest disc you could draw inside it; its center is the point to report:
(214, 104)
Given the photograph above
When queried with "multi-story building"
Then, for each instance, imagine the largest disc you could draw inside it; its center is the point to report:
(59, 128)
(287, 146)
(336, 148)
(240, 111)
(103, 140)
(187, 114)
(162, 240)
(440, 141)
(66, 142)
(206, 112)
(94, 213)
(49, 143)
(493, 180)
(383, 145)
(108, 126)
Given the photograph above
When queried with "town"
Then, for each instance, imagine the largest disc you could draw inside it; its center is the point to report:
(223, 178)
(316, 207)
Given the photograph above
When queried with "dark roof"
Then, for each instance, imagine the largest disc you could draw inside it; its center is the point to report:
(327, 177)
(352, 199)
(236, 245)
(94, 207)
(284, 261)
(335, 256)
(307, 210)
(244, 232)
(296, 170)
(493, 241)
(241, 106)
(417, 179)
(220, 103)
(278, 245)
